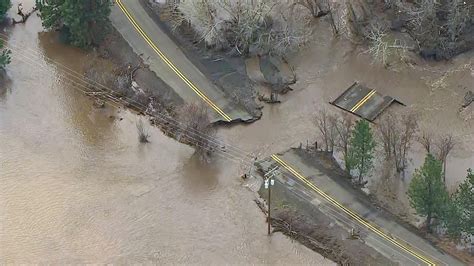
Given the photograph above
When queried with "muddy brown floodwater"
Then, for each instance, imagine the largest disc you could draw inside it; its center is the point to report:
(328, 66)
(77, 187)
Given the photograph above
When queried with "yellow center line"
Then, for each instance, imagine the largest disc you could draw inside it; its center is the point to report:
(363, 100)
(284, 164)
(352, 214)
(169, 63)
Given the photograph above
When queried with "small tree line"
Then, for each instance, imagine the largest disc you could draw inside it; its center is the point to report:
(396, 134)
(440, 28)
(276, 27)
(427, 191)
(353, 138)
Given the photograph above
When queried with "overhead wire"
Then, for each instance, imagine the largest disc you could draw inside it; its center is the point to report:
(166, 119)
(198, 141)
(236, 154)
(130, 101)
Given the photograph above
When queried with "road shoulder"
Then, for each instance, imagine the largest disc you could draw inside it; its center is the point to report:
(171, 64)
(371, 219)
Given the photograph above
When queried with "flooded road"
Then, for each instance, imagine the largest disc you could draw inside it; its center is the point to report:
(77, 187)
(328, 66)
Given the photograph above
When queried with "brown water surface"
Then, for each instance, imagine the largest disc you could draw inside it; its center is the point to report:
(327, 67)
(77, 187)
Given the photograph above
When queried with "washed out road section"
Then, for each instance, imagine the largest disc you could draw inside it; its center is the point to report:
(77, 187)
(166, 59)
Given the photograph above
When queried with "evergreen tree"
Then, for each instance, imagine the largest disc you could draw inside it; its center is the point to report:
(4, 6)
(4, 53)
(84, 23)
(458, 217)
(427, 193)
(5, 57)
(361, 149)
(464, 198)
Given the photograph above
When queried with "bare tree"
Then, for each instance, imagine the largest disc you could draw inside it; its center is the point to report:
(458, 18)
(407, 128)
(197, 130)
(382, 49)
(439, 27)
(326, 124)
(267, 26)
(426, 139)
(143, 135)
(344, 127)
(385, 128)
(397, 135)
(441, 146)
(444, 144)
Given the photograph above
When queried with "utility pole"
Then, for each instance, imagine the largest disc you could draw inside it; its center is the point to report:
(269, 182)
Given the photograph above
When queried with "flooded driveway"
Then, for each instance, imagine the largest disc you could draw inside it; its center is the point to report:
(77, 187)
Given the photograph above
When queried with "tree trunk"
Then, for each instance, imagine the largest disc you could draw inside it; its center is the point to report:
(444, 172)
(346, 162)
(428, 222)
(362, 165)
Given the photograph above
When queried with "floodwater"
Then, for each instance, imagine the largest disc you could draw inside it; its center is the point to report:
(328, 66)
(76, 186)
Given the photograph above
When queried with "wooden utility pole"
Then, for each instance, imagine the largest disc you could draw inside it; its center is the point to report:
(269, 206)
(269, 182)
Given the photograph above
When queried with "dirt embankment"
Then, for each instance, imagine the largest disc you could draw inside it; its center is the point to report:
(301, 220)
(116, 49)
(127, 80)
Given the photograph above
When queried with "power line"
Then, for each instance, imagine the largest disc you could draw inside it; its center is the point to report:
(129, 101)
(239, 155)
(199, 141)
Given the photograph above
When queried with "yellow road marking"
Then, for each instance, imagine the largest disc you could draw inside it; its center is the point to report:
(352, 214)
(169, 63)
(363, 100)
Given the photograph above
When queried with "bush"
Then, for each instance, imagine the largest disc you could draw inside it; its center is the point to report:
(263, 26)
(83, 23)
(5, 56)
(197, 129)
(143, 135)
(4, 6)
(442, 28)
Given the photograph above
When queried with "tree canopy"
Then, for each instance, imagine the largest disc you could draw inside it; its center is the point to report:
(427, 193)
(458, 216)
(83, 23)
(361, 149)
(4, 6)
(5, 57)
